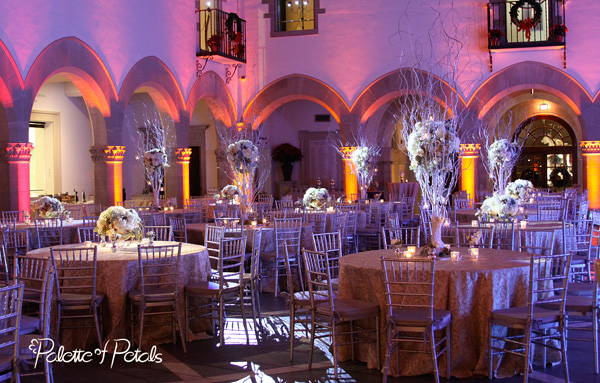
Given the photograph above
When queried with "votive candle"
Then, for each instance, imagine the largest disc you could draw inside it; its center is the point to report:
(408, 254)
(523, 224)
(166, 208)
(171, 208)
(88, 243)
(474, 223)
(454, 256)
(253, 223)
(474, 252)
(411, 249)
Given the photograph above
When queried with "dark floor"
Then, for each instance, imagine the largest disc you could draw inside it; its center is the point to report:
(266, 360)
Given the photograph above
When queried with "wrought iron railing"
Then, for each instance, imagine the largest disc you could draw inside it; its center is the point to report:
(526, 23)
(222, 34)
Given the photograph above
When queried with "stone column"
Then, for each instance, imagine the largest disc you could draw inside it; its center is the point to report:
(469, 153)
(591, 154)
(350, 181)
(183, 156)
(108, 173)
(18, 156)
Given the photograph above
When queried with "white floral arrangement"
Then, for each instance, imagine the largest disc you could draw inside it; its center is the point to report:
(243, 156)
(119, 223)
(155, 159)
(430, 147)
(363, 161)
(47, 207)
(502, 152)
(230, 191)
(315, 198)
(521, 190)
(498, 206)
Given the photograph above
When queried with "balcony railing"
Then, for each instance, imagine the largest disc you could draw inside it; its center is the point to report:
(221, 34)
(518, 24)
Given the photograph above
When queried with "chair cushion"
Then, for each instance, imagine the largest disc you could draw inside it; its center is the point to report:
(573, 304)
(420, 318)
(304, 297)
(518, 316)
(29, 324)
(582, 289)
(153, 294)
(73, 299)
(209, 288)
(349, 309)
(369, 230)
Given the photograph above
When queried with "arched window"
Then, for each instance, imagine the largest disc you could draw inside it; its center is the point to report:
(549, 157)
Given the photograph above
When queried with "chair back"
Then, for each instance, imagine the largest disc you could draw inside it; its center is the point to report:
(288, 230)
(274, 214)
(159, 268)
(49, 232)
(548, 280)
(34, 273)
(212, 240)
(179, 229)
(476, 236)
(8, 224)
(143, 210)
(11, 302)
(318, 279)
(4, 267)
(405, 206)
(88, 234)
(504, 234)
(74, 211)
(317, 219)
(331, 244)
(159, 219)
(126, 204)
(191, 217)
(536, 242)
(408, 285)
(16, 242)
(266, 198)
(282, 204)
(231, 261)
(392, 220)
(161, 233)
(90, 221)
(15, 215)
(75, 269)
(292, 263)
(93, 209)
(255, 257)
(401, 236)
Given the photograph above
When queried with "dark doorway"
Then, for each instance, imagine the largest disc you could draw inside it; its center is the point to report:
(195, 184)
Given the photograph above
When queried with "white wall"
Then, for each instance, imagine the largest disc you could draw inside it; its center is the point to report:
(75, 135)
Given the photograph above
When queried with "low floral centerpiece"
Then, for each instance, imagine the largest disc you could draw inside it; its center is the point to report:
(47, 207)
(230, 191)
(521, 190)
(315, 198)
(119, 223)
(498, 206)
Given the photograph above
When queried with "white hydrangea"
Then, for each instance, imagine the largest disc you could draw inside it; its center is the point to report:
(243, 156)
(116, 220)
(315, 198)
(230, 191)
(432, 147)
(521, 190)
(155, 159)
(47, 207)
(498, 206)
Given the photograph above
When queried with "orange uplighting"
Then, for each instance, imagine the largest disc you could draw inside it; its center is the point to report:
(239, 126)
(591, 152)
(468, 167)
(115, 181)
(350, 181)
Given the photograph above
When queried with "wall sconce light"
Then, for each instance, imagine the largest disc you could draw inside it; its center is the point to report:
(544, 106)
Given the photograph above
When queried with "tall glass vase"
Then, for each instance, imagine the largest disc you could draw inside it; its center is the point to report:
(436, 232)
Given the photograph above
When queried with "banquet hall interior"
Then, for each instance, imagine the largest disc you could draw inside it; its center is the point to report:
(299, 190)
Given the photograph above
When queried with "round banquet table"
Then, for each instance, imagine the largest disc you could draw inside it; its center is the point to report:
(470, 289)
(116, 274)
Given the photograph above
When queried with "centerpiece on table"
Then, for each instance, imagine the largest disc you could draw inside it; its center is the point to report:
(48, 207)
(502, 155)
(243, 158)
(498, 206)
(433, 148)
(287, 154)
(119, 224)
(521, 190)
(364, 160)
(155, 162)
(316, 198)
(229, 192)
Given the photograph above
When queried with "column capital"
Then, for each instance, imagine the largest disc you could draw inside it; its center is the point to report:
(590, 147)
(183, 154)
(347, 151)
(470, 150)
(107, 153)
(18, 151)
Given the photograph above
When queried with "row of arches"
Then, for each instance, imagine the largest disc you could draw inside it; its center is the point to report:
(106, 104)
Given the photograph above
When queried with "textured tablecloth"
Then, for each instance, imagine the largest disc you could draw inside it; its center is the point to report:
(116, 274)
(470, 289)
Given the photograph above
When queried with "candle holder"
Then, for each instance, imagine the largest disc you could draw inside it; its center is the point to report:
(523, 224)
(474, 223)
(454, 256)
(411, 249)
(474, 252)
(88, 243)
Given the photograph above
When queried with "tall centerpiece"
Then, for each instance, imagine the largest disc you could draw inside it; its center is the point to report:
(502, 156)
(433, 148)
(152, 135)
(119, 223)
(364, 160)
(243, 157)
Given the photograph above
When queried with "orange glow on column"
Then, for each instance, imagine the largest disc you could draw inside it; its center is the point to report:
(591, 153)
(114, 175)
(468, 167)
(350, 181)
(183, 156)
(19, 157)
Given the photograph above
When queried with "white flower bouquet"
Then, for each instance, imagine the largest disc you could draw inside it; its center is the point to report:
(47, 207)
(498, 206)
(119, 223)
(502, 153)
(155, 159)
(363, 161)
(230, 191)
(243, 156)
(315, 198)
(521, 190)
(430, 145)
